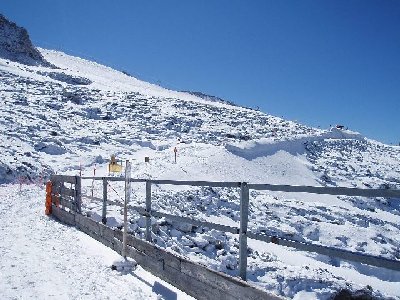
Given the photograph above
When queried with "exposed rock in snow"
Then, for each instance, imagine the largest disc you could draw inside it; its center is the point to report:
(142, 222)
(16, 45)
(70, 79)
(184, 227)
(208, 97)
(176, 233)
(50, 148)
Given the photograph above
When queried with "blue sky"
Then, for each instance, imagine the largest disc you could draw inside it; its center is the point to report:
(318, 62)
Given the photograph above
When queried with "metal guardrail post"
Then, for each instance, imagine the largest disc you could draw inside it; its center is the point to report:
(127, 199)
(104, 212)
(244, 217)
(78, 195)
(148, 210)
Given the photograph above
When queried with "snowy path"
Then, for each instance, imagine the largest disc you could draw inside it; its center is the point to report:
(43, 259)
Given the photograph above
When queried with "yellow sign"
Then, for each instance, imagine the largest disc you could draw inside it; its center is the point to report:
(113, 167)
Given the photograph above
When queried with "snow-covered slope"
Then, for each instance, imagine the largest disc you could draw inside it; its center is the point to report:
(86, 107)
(76, 113)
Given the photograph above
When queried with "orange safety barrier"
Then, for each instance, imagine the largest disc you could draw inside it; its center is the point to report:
(48, 198)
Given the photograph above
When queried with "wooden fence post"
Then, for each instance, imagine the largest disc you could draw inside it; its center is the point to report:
(148, 210)
(244, 217)
(104, 212)
(78, 197)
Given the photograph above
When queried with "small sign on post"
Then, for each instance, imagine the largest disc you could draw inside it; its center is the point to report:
(125, 264)
(113, 166)
(175, 151)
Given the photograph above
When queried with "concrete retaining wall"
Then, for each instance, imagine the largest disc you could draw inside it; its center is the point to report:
(190, 277)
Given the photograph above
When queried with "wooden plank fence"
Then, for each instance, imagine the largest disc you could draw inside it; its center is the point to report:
(69, 197)
(193, 278)
(242, 230)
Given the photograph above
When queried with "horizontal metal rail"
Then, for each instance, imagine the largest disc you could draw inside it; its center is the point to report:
(198, 183)
(386, 193)
(327, 190)
(234, 230)
(171, 182)
(113, 179)
(330, 251)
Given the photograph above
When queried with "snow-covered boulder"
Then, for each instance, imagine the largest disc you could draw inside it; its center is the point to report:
(199, 241)
(142, 222)
(176, 233)
(184, 227)
(229, 262)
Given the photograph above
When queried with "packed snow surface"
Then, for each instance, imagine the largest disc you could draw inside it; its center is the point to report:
(41, 258)
(73, 116)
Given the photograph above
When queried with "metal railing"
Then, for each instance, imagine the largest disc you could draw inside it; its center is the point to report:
(242, 230)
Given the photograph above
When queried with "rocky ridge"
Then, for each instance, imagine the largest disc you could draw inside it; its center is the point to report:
(16, 45)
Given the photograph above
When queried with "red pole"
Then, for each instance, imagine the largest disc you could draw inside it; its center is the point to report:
(94, 174)
(175, 151)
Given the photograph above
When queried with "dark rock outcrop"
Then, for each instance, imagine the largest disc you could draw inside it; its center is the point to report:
(209, 97)
(16, 45)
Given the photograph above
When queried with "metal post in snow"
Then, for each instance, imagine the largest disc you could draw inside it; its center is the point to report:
(104, 212)
(148, 210)
(244, 217)
(127, 199)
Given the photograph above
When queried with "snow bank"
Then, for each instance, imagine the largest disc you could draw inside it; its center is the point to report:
(266, 147)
